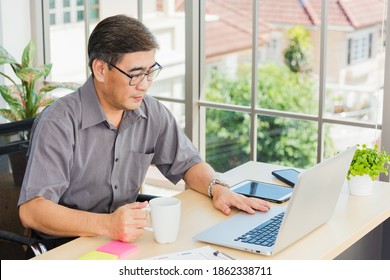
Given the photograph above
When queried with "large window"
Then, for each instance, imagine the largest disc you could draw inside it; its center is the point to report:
(162, 17)
(291, 83)
(67, 20)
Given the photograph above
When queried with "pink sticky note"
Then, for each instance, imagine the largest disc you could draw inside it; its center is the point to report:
(118, 248)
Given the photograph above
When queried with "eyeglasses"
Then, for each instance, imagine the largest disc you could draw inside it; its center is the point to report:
(138, 78)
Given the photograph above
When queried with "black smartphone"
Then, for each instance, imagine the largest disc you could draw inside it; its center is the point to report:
(288, 176)
(263, 190)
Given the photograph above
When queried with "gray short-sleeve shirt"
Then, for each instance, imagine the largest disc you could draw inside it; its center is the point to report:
(77, 159)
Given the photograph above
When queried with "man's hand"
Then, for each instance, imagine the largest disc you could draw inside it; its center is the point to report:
(224, 199)
(127, 222)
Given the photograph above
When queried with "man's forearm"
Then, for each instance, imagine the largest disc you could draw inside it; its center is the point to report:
(199, 176)
(45, 216)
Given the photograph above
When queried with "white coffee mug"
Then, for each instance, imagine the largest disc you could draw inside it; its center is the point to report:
(165, 218)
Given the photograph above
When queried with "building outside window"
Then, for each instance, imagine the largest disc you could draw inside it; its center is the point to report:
(360, 48)
(71, 11)
(282, 110)
(267, 94)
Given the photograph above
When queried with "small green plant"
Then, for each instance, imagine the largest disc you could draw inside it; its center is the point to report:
(22, 98)
(369, 161)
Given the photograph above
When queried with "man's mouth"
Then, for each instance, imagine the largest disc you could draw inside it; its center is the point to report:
(137, 98)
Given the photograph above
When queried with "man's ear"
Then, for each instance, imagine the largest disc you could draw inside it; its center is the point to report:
(99, 67)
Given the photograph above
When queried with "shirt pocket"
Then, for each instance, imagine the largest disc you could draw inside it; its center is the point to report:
(138, 165)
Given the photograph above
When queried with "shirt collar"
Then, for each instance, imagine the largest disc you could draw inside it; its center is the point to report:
(92, 112)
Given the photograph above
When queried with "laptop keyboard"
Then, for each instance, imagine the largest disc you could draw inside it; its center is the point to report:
(264, 234)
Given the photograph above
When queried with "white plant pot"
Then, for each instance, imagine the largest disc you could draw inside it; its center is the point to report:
(360, 185)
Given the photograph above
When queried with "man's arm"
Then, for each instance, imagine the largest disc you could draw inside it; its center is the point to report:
(198, 178)
(125, 224)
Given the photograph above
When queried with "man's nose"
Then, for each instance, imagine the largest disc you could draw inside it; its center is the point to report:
(144, 84)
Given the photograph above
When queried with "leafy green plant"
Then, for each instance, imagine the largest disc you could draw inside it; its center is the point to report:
(23, 99)
(369, 161)
(298, 55)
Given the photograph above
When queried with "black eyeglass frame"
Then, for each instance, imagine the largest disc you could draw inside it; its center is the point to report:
(149, 78)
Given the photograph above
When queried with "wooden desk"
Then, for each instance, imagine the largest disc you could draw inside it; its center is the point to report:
(354, 217)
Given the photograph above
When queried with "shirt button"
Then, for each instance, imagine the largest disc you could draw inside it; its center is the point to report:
(116, 160)
(116, 187)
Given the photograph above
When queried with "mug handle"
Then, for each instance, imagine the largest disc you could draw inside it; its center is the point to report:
(147, 209)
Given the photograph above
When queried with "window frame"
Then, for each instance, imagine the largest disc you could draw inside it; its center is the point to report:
(254, 112)
(196, 105)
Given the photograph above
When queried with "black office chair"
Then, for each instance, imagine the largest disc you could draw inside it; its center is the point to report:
(27, 242)
(13, 147)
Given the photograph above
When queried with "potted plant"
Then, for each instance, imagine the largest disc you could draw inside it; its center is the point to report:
(23, 98)
(367, 164)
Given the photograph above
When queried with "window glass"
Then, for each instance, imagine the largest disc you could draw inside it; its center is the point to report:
(52, 19)
(52, 4)
(228, 48)
(94, 14)
(65, 69)
(177, 110)
(288, 72)
(80, 15)
(66, 3)
(360, 48)
(355, 67)
(67, 17)
(287, 141)
(291, 76)
(288, 53)
(227, 139)
(345, 136)
(280, 88)
(287, 76)
(167, 22)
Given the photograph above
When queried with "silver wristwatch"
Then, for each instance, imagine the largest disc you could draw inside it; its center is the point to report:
(212, 183)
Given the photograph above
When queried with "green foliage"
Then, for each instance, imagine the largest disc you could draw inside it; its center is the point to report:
(287, 142)
(288, 88)
(228, 135)
(369, 161)
(280, 140)
(231, 91)
(23, 100)
(282, 89)
(298, 54)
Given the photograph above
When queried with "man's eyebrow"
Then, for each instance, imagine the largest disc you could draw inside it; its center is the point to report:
(142, 68)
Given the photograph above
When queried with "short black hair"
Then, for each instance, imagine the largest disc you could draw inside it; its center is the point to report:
(118, 35)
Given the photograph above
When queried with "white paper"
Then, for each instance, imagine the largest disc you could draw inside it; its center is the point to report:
(202, 253)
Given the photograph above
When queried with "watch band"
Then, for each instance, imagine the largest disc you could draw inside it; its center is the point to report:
(212, 183)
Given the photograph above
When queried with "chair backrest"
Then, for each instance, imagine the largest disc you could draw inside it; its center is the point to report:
(13, 147)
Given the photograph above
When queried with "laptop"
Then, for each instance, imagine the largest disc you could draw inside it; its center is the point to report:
(311, 205)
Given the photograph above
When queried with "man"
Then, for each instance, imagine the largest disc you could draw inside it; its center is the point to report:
(91, 149)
